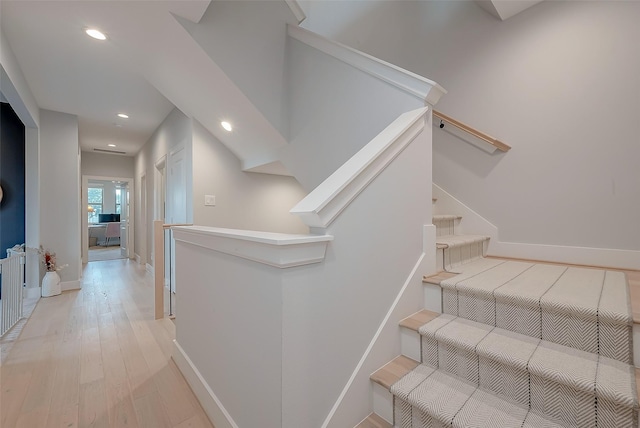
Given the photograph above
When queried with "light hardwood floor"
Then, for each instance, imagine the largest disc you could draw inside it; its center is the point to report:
(96, 358)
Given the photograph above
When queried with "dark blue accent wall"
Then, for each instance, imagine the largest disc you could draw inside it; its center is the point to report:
(12, 179)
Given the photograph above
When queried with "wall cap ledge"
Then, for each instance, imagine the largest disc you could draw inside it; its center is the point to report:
(279, 250)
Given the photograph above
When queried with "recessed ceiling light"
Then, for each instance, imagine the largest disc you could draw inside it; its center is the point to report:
(227, 126)
(124, 116)
(98, 35)
(111, 145)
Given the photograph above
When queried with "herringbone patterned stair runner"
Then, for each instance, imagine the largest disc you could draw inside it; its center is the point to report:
(524, 345)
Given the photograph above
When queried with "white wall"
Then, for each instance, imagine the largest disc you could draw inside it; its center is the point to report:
(246, 39)
(60, 192)
(559, 82)
(105, 165)
(244, 200)
(335, 109)
(174, 131)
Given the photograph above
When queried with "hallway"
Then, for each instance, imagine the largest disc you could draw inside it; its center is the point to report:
(96, 358)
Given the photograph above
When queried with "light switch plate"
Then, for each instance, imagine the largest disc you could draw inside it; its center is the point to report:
(209, 200)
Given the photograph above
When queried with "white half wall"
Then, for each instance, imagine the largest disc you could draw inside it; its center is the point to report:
(59, 192)
(559, 82)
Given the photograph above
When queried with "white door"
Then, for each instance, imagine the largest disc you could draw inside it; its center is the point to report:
(176, 209)
(124, 221)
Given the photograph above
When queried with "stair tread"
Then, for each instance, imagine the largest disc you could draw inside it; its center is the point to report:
(441, 396)
(580, 370)
(459, 240)
(469, 270)
(456, 402)
(438, 277)
(568, 366)
(494, 278)
(508, 347)
(440, 217)
(374, 421)
(393, 371)
(417, 320)
(531, 285)
(578, 290)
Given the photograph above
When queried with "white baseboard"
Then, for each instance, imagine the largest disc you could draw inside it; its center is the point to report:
(32, 292)
(137, 258)
(603, 257)
(70, 285)
(210, 403)
(149, 269)
(474, 223)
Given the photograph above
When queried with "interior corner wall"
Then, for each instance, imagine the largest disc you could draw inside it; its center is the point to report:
(559, 82)
(258, 29)
(244, 200)
(59, 192)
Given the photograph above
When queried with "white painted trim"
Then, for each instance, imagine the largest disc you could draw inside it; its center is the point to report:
(418, 86)
(297, 10)
(149, 269)
(210, 403)
(373, 341)
(472, 222)
(321, 207)
(70, 285)
(274, 249)
(137, 258)
(601, 257)
(382, 402)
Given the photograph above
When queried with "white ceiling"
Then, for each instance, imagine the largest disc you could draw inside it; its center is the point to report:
(149, 64)
(69, 72)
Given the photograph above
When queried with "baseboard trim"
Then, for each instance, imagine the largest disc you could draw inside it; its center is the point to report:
(597, 257)
(209, 401)
(412, 277)
(149, 269)
(32, 292)
(70, 285)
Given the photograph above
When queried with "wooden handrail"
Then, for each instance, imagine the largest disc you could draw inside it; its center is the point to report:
(481, 135)
(158, 264)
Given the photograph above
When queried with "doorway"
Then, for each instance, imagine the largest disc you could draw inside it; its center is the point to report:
(107, 212)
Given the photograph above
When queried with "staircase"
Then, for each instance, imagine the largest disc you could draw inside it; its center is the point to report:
(518, 345)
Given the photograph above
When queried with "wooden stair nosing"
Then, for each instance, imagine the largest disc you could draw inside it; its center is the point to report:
(438, 277)
(374, 421)
(417, 320)
(391, 372)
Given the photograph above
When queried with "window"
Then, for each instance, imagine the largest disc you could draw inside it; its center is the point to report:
(95, 203)
(118, 200)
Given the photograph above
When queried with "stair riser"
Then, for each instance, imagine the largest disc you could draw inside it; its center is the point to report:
(587, 334)
(520, 317)
(424, 420)
(563, 403)
(504, 381)
(457, 256)
(511, 383)
(570, 330)
(444, 227)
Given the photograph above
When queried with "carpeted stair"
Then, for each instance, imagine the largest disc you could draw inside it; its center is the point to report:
(453, 249)
(523, 345)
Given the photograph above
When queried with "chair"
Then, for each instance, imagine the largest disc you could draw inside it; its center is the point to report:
(112, 231)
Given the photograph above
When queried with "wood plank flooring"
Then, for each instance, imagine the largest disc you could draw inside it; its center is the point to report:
(96, 358)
